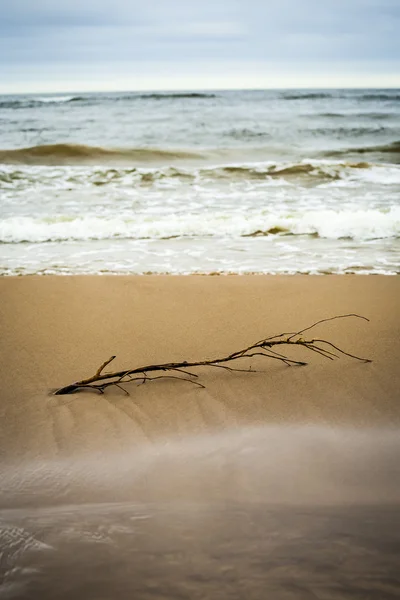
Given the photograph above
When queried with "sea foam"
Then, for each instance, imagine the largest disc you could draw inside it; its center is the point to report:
(355, 224)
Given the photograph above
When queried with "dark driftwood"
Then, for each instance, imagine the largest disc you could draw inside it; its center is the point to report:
(179, 370)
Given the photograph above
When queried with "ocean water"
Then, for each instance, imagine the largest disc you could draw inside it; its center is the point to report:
(304, 181)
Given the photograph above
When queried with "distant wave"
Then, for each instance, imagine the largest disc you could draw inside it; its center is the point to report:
(380, 96)
(147, 96)
(346, 132)
(38, 102)
(353, 116)
(378, 115)
(367, 96)
(42, 101)
(172, 96)
(307, 96)
(57, 99)
(19, 102)
(329, 115)
(245, 134)
(392, 149)
(358, 224)
(60, 154)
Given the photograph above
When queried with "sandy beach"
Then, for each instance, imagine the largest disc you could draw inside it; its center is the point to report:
(316, 445)
(56, 330)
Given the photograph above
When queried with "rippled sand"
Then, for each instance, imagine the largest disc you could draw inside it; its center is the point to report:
(282, 512)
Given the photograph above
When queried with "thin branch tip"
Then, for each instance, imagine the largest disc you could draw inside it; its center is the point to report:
(104, 365)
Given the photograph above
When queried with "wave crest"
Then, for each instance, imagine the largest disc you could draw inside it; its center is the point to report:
(381, 96)
(60, 154)
(307, 96)
(41, 101)
(392, 148)
(175, 96)
(81, 154)
(38, 101)
(312, 173)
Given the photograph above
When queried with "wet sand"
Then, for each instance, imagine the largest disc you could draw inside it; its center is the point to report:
(283, 483)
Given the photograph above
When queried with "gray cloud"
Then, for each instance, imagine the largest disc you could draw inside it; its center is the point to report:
(289, 32)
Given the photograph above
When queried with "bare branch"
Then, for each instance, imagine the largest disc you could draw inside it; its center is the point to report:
(263, 348)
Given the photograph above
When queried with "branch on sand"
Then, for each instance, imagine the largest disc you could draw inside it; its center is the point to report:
(266, 348)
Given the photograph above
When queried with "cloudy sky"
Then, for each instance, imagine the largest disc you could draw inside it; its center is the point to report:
(78, 45)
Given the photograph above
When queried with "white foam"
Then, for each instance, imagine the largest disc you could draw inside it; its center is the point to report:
(253, 174)
(362, 224)
(50, 99)
(221, 218)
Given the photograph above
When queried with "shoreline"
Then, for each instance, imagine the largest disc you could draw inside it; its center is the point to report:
(196, 274)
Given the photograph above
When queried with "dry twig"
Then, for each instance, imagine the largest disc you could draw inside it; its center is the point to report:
(100, 381)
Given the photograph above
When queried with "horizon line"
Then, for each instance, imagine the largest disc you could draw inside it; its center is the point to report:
(196, 90)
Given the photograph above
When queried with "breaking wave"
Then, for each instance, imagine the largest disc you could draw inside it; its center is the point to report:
(38, 101)
(59, 154)
(355, 224)
(57, 99)
(81, 154)
(393, 148)
(308, 173)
